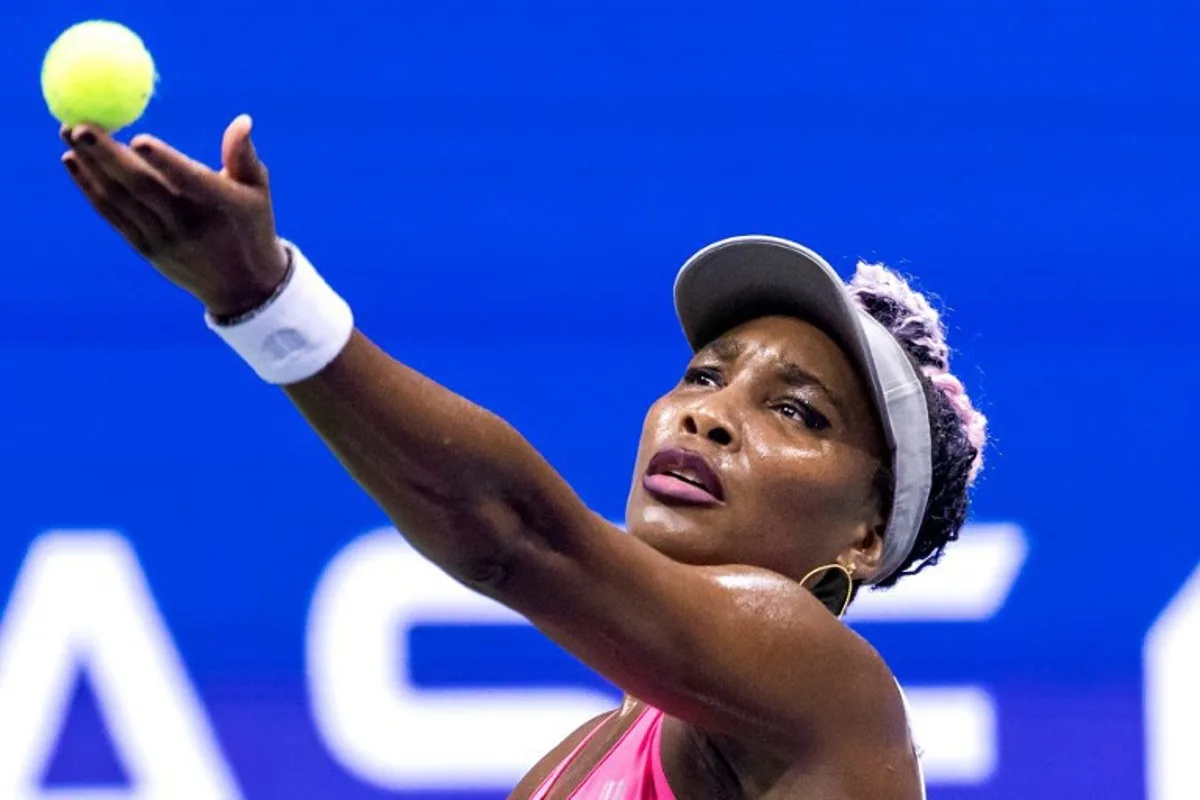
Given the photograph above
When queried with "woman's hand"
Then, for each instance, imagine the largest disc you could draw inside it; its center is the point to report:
(211, 233)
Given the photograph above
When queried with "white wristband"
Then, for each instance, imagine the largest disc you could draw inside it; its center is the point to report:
(295, 334)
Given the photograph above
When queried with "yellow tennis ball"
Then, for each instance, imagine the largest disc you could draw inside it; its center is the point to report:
(98, 72)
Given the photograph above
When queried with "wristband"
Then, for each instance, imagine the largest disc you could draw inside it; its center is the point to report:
(297, 332)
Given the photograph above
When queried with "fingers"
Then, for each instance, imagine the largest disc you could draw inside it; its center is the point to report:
(191, 178)
(110, 161)
(100, 198)
(238, 154)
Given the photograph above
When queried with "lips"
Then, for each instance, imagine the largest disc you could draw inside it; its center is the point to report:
(683, 476)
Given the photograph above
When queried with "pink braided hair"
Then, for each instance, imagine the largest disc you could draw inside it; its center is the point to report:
(889, 298)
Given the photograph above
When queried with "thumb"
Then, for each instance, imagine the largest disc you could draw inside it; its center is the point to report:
(238, 155)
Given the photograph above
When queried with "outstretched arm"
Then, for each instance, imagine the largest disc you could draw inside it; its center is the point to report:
(463, 485)
(736, 650)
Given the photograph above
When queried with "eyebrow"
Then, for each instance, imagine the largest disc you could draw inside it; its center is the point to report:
(725, 349)
(795, 375)
(728, 350)
(798, 376)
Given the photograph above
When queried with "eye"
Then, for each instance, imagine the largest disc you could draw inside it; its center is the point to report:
(803, 413)
(703, 376)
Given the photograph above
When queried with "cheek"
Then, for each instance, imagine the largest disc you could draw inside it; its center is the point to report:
(818, 482)
(655, 428)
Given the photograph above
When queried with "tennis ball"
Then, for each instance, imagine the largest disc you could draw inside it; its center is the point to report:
(98, 72)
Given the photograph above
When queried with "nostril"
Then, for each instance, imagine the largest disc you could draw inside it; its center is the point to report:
(720, 436)
(689, 424)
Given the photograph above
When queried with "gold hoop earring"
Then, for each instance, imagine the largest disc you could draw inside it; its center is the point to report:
(847, 571)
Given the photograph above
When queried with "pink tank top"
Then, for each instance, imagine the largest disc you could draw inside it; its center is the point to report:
(631, 770)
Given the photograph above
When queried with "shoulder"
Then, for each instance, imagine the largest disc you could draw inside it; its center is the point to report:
(738, 650)
(826, 682)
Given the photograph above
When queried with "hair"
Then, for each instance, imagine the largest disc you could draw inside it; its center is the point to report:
(958, 431)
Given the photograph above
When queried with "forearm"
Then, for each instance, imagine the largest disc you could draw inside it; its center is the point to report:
(461, 484)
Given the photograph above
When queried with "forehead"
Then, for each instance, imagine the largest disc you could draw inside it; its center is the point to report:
(786, 339)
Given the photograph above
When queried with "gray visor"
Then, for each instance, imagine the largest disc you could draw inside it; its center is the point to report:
(746, 277)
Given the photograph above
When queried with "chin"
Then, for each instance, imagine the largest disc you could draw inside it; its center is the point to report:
(674, 532)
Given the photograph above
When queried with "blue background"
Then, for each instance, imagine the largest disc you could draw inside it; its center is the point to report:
(504, 192)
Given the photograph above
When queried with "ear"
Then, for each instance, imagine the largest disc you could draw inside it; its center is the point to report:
(866, 551)
(866, 547)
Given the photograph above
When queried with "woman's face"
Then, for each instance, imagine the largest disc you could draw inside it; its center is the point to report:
(764, 454)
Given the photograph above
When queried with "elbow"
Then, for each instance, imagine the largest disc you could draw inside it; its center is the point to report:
(490, 532)
(519, 552)
(491, 542)
(489, 575)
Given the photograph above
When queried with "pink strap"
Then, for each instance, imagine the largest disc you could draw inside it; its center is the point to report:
(632, 730)
(544, 788)
(634, 761)
(662, 788)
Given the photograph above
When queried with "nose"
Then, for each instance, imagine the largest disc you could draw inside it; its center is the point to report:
(711, 423)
